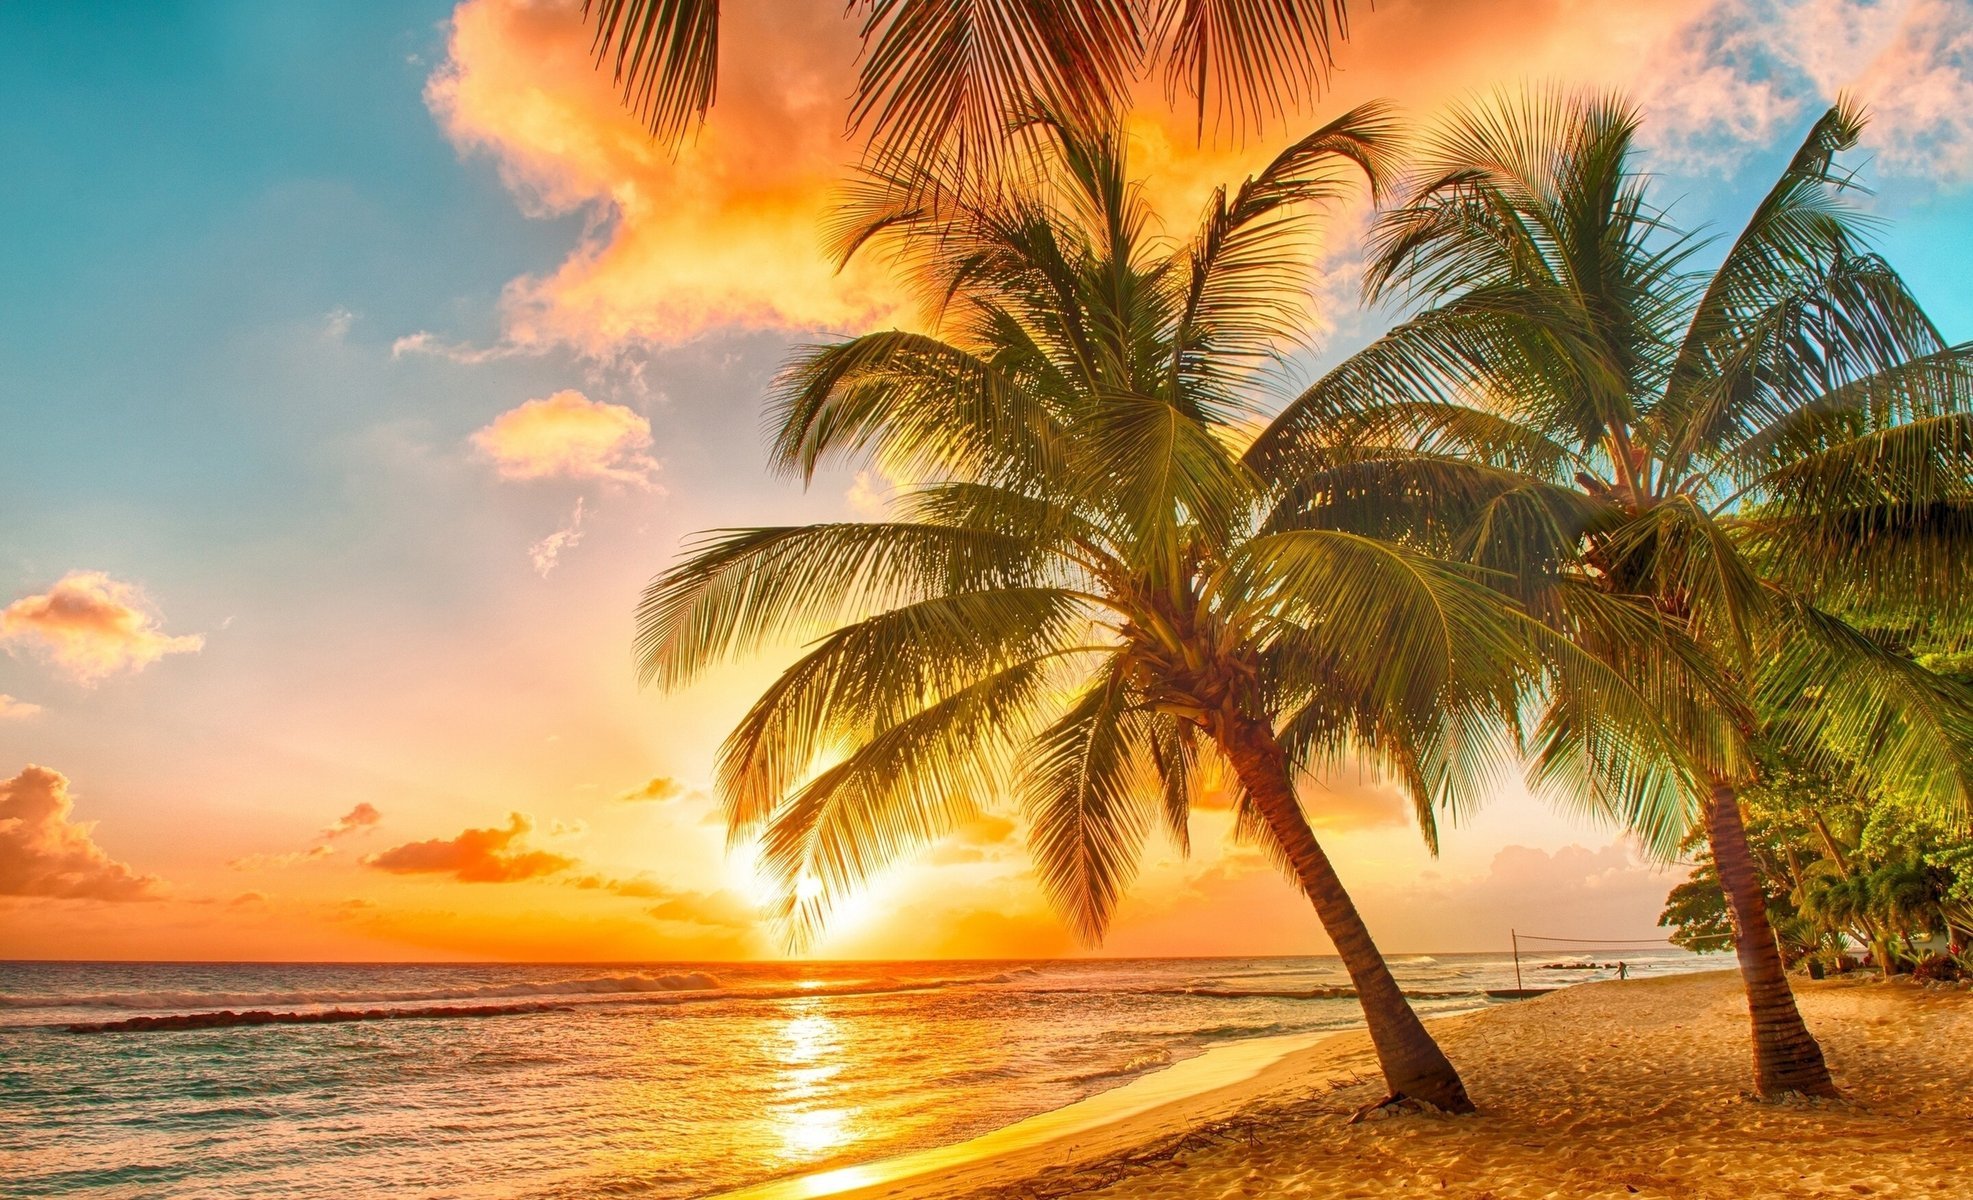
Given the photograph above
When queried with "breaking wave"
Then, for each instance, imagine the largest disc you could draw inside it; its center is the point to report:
(596, 985)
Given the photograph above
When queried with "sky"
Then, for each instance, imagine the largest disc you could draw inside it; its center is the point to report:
(361, 361)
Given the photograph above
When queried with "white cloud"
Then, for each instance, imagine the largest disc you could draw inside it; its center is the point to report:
(545, 553)
(92, 627)
(568, 435)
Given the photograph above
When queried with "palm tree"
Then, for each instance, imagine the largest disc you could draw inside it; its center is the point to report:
(945, 73)
(1766, 450)
(1079, 604)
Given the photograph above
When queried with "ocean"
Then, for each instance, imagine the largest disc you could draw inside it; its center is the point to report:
(662, 1081)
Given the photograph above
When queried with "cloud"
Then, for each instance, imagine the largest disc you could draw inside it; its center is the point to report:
(986, 836)
(45, 853)
(660, 788)
(363, 816)
(267, 862)
(12, 709)
(718, 909)
(474, 856)
(1738, 72)
(545, 553)
(430, 344)
(1334, 805)
(724, 233)
(92, 627)
(569, 436)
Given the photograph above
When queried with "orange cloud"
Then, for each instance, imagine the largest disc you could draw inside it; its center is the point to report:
(16, 710)
(263, 862)
(568, 435)
(718, 909)
(723, 233)
(363, 816)
(474, 856)
(661, 788)
(92, 627)
(45, 853)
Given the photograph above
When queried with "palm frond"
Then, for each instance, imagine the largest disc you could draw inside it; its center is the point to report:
(901, 788)
(959, 73)
(741, 589)
(922, 407)
(1254, 246)
(664, 54)
(874, 674)
(1249, 60)
(1841, 701)
(1090, 789)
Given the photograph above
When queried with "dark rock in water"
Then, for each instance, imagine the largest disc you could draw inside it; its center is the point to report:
(226, 1018)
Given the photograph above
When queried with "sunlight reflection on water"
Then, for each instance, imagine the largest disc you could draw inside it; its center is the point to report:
(811, 1056)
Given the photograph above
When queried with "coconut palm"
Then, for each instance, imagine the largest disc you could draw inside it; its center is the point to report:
(942, 73)
(1767, 450)
(1076, 603)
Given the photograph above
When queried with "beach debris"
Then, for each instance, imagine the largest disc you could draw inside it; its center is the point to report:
(1395, 1106)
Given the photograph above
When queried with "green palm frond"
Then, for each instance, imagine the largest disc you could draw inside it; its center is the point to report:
(1852, 323)
(1935, 384)
(921, 407)
(1804, 222)
(957, 73)
(1847, 704)
(1254, 246)
(900, 789)
(875, 673)
(1090, 789)
(1631, 715)
(1676, 551)
(1408, 633)
(664, 55)
(742, 589)
(1249, 60)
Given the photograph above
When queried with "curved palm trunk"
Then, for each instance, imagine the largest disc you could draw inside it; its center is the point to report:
(1786, 1055)
(1412, 1062)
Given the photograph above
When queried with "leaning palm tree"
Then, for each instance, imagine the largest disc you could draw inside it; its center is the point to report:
(1767, 450)
(950, 73)
(1076, 603)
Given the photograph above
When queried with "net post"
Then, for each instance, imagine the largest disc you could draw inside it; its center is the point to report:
(1517, 958)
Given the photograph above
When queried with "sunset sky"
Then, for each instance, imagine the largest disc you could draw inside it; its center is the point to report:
(360, 361)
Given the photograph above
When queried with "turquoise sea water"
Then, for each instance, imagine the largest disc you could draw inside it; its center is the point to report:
(660, 1081)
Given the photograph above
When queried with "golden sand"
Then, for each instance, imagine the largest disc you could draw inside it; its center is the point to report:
(1605, 1089)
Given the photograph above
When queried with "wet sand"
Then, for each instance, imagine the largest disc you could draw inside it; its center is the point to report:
(1604, 1089)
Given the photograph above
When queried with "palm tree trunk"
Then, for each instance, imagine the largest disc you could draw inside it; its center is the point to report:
(1412, 1062)
(1786, 1055)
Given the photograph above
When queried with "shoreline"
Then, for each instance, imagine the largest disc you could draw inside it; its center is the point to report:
(1598, 1089)
(1169, 1103)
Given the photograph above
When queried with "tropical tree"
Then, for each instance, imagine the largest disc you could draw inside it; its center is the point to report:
(945, 74)
(1079, 603)
(1770, 451)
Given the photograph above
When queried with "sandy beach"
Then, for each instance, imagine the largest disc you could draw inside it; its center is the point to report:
(1606, 1089)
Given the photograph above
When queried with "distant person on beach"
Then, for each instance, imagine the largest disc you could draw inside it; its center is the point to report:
(1623, 970)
